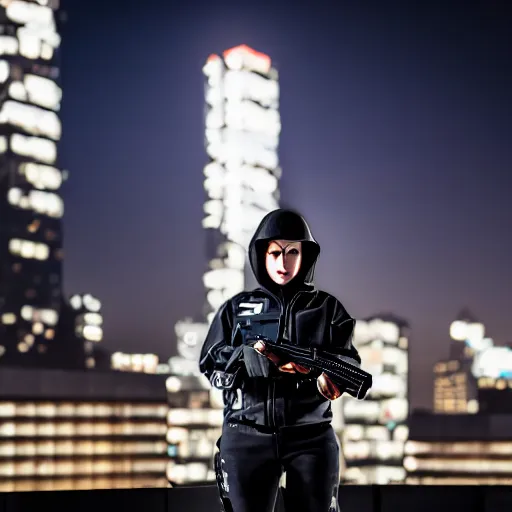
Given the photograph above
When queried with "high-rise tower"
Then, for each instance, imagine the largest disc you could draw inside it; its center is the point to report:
(241, 182)
(242, 127)
(242, 138)
(37, 325)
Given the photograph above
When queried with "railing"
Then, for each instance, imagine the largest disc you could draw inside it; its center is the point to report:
(393, 498)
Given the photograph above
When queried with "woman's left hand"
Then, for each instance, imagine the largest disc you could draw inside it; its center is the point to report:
(327, 388)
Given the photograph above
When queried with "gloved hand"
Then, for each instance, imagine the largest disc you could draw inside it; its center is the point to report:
(291, 367)
(256, 364)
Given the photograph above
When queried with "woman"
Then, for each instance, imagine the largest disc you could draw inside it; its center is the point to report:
(277, 417)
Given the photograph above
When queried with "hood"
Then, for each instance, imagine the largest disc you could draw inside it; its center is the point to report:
(285, 225)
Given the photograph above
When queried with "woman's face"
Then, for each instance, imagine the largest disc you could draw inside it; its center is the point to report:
(283, 260)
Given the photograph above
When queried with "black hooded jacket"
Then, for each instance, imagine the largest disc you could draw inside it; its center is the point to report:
(255, 391)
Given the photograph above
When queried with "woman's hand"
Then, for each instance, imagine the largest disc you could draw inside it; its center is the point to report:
(327, 388)
(291, 367)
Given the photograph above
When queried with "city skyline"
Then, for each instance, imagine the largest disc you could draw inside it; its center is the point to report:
(443, 126)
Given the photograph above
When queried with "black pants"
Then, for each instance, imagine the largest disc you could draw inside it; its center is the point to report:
(253, 462)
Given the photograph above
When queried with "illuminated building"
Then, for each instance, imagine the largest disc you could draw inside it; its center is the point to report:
(64, 429)
(241, 178)
(375, 429)
(194, 420)
(459, 449)
(36, 321)
(455, 390)
(242, 138)
(478, 375)
(142, 363)
(190, 336)
(194, 425)
(241, 182)
(468, 439)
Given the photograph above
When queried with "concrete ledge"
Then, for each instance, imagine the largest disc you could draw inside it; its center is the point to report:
(395, 498)
(56, 385)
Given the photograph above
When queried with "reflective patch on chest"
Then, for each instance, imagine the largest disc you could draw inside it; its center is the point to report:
(250, 308)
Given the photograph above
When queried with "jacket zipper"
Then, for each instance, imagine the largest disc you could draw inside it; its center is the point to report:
(288, 329)
(271, 388)
(287, 314)
(283, 324)
(271, 403)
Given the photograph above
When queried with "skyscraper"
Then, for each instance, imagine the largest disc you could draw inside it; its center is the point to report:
(242, 138)
(241, 182)
(242, 127)
(37, 325)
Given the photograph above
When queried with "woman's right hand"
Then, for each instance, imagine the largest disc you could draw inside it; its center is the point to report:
(327, 388)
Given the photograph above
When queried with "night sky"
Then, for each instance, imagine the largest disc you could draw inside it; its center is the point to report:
(396, 146)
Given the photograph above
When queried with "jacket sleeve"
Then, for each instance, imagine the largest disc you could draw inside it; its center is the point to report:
(342, 333)
(220, 361)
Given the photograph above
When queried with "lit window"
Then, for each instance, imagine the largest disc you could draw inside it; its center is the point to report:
(23, 347)
(35, 147)
(43, 92)
(34, 226)
(30, 118)
(8, 45)
(8, 318)
(28, 249)
(38, 328)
